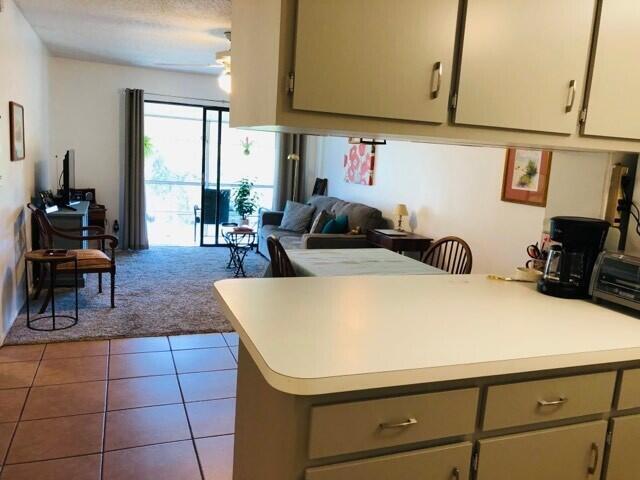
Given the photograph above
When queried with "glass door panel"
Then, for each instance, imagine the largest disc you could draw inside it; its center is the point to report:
(173, 173)
(215, 203)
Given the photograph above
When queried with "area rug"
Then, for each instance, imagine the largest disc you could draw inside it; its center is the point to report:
(160, 291)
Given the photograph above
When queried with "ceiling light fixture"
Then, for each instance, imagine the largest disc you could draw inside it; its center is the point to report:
(224, 59)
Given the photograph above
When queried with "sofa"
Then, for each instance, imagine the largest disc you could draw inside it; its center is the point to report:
(362, 216)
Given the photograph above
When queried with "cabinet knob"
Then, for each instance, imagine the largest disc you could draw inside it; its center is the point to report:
(553, 403)
(436, 79)
(455, 474)
(407, 423)
(595, 455)
(571, 96)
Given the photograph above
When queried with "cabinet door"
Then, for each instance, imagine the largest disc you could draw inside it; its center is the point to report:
(614, 98)
(524, 63)
(566, 453)
(624, 461)
(375, 58)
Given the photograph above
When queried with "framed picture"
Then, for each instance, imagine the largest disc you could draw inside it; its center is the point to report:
(16, 130)
(526, 176)
(359, 164)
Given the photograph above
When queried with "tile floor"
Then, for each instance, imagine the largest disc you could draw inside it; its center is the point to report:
(137, 408)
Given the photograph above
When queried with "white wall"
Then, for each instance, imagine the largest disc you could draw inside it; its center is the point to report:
(87, 114)
(23, 79)
(455, 190)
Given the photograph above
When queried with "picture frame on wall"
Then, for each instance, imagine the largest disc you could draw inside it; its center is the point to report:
(526, 176)
(16, 131)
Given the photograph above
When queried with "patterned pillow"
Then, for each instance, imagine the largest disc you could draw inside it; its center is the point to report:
(321, 220)
(297, 217)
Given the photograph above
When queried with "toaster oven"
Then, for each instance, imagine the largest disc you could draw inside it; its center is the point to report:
(616, 278)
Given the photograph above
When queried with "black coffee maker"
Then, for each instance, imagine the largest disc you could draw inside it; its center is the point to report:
(570, 261)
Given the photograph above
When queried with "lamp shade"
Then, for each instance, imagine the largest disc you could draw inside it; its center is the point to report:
(401, 209)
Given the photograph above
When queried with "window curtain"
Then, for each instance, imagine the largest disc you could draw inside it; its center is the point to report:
(134, 225)
(290, 173)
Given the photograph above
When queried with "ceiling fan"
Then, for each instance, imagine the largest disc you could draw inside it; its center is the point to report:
(223, 60)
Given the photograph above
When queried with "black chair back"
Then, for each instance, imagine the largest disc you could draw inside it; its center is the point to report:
(451, 254)
(211, 204)
(320, 186)
(45, 229)
(280, 263)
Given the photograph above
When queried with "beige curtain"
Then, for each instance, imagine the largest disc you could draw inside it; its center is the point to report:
(134, 224)
(290, 174)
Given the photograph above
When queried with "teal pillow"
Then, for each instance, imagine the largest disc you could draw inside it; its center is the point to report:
(340, 224)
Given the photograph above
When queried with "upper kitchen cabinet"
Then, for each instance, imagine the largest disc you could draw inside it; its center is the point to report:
(614, 98)
(524, 64)
(375, 58)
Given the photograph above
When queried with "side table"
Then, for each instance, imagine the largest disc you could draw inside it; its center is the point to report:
(43, 257)
(410, 242)
(240, 243)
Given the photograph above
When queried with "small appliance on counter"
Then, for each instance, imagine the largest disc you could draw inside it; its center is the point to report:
(578, 241)
(616, 279)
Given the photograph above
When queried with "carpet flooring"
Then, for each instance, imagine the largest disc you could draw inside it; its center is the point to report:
(160, 291)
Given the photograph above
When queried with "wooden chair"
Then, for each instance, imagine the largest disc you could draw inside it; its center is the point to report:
(90, 260)
(451, 254)
(280, 263)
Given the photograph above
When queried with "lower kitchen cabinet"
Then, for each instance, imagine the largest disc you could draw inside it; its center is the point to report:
(441, 463)
(565, 453)
(624, 457)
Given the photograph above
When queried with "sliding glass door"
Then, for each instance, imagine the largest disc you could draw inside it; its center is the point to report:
(194, 165)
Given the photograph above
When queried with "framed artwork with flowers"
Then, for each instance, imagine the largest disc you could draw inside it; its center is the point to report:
(359, 164)
(526, 176)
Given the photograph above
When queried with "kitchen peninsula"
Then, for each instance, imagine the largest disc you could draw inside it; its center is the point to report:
(430, 377)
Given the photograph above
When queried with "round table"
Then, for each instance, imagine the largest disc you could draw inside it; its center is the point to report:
(240, 243)
(43, 257)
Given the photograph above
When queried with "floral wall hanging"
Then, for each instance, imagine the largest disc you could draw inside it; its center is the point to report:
(359, 164)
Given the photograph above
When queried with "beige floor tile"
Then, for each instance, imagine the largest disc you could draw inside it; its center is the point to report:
(16, 375)
(212, 417)
(139, 345)
(208, 385)
(169, 461)
(56, 437)
(232, 339)
(203, 360)
(146, 426)
(67, 399)
(11, 402)
(216, 457)
(76, 468)
(21, 353)
(71, 370)
(6, 432)
(143, 392)
(140, 365)
(202, 340)
(76, 349)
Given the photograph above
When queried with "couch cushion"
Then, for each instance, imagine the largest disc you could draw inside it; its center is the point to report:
(290, 242)
(88, 258)
(363, 216)
(268, 230)
(320, 221)
(297, 217)
(323, 203)
(338, 225)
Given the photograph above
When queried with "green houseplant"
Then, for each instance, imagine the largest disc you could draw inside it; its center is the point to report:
(245, 200)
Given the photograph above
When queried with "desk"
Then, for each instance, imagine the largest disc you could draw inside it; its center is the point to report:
(356, 261)
(64, 218)
(409, 242)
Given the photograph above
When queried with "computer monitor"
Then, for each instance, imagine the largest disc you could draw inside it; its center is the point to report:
(68, 178)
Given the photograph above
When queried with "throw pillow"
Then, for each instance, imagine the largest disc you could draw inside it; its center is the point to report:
(338, 225)
(297, 217)
(321, 220)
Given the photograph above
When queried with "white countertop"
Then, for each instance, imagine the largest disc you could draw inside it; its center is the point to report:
(321, 262)
(321, 335)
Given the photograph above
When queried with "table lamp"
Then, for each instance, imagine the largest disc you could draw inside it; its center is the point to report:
(401, 211)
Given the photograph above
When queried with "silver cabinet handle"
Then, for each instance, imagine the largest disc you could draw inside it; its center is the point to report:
(571, 97)
(552, 403)
(595, 452)
(436, 75)
(407, 423)
(455, 474)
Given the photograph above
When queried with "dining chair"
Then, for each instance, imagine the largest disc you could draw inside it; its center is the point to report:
(280, 262)
(451, 254)
(90, 260)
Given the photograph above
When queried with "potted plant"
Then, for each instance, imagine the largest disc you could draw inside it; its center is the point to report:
(245, 200)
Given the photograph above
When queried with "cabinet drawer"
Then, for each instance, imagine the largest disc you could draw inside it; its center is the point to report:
(545, 400)
(566, 453)
(440, 463)
(630, 390)
(371, 424)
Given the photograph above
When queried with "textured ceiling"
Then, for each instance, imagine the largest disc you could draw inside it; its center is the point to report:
(133, 32)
